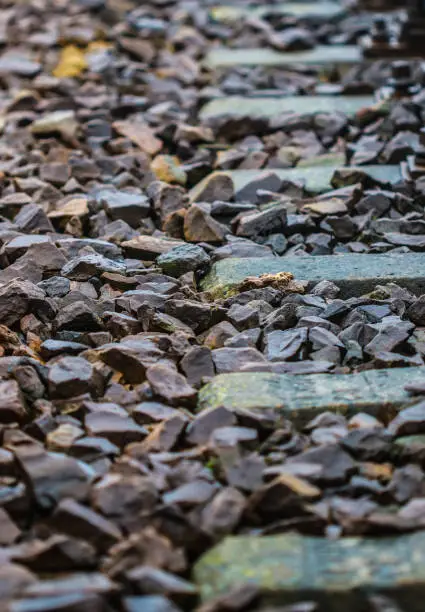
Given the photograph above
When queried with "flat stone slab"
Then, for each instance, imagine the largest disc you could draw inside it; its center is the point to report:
(301, 398)
(354, 274)
(238, 106)
(316, 179)
(325, 10)
(322, 55)
(338, 574)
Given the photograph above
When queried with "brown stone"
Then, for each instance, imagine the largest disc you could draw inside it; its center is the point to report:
(139, 133)
(216, 187)
(12, 403)
(199, 226)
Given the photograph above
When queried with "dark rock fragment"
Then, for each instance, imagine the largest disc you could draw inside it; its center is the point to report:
(79, 521)
(197, 364)
(51, 476)
(12, 403)
(72, 376)
(169, 385)
(182, 259)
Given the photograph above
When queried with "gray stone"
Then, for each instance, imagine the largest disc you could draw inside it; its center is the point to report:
(197, 364)
(232, 359)
(131, 207)
(71, 376)
(182, 259)
(316, 10)
(18, 297)
(338, 574)
(282, 345)
(301, 398)
(355, 275)
(18, 64)
(56, 286)
(72, 602)
(272, 219)
(84, 267)
(149, 603)
(169, 385)
(314, 179)
(52, 476)
(87, 582)
(321, 55)
(72, 246)
(236, 106)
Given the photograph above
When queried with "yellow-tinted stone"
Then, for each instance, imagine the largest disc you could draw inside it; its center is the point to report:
(72, 62)
(167, 168)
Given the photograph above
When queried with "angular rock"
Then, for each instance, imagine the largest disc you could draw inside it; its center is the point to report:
(165, 436)
(118, 429)
(182, 259)
(19, 296)
(72, 376)
(57, 122)
(233, 359)
(84, 267)
(12, 403)
(409, 421)
(197, 364)
(416, 311)
(284, 345)
(155, 581)
(131, 356)
(272, 219)
(123, 498)
(77, 316)
(200, 430)
(169, 385)
(32, 218)
(149, 247)
(334, 465)
(57, 553)
(130, 207)
(51, 476)
(79, 521)
(216, 187)
(199, 226)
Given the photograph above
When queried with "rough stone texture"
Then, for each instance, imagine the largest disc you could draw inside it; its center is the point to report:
(316, 10)
(314, 179)
(269, 107)
(339, 574)
(378, 392)
(354, 274)
(182, 259)
(221, 57)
